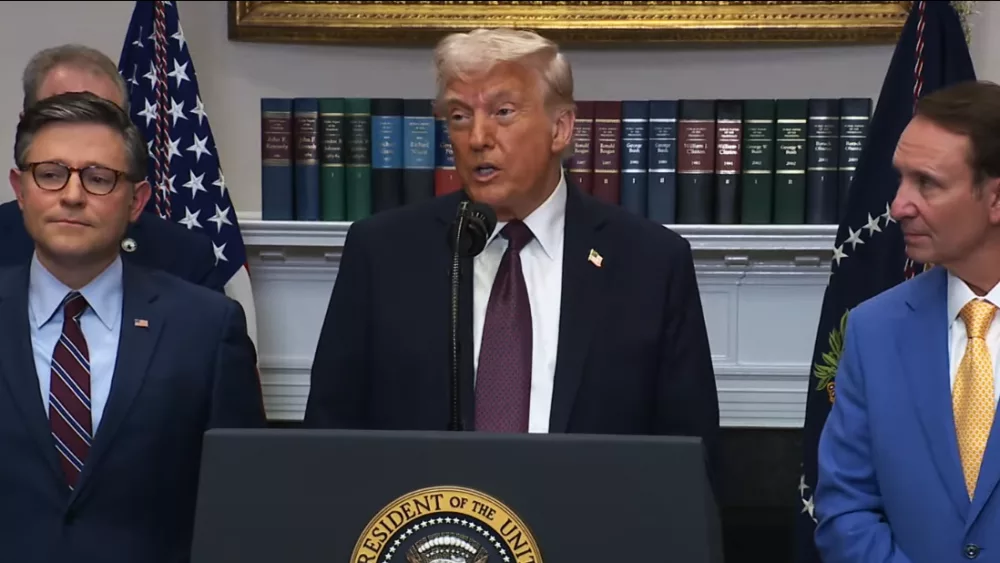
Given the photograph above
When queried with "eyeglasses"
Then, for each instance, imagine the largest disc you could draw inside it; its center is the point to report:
(53, 176)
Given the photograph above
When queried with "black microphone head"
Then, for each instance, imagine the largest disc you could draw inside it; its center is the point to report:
(478, 221)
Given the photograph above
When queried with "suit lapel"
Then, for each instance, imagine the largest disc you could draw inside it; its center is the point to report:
(989, 475)
(923, 350)
(17, 366)
(582, 300)
(135, 350)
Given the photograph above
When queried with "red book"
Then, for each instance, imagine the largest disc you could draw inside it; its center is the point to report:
(607, 156)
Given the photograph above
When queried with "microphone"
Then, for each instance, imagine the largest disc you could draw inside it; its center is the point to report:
(472, 227)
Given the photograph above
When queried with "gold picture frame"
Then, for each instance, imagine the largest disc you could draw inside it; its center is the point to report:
(584, 22)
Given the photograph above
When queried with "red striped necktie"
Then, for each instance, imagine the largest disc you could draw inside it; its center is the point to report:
(69, 393)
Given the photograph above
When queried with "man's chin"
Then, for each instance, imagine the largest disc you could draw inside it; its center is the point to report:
(68, 251)
(483, 194)
(919, 253)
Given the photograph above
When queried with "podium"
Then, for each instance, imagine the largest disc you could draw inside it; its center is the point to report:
(330, 496)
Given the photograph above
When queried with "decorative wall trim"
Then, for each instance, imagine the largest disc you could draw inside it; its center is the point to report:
(761, 287)
(703, 237)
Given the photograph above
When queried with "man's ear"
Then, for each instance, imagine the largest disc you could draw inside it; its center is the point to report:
(15, 184)
(562, 130)
(140, 195)
(991, 191)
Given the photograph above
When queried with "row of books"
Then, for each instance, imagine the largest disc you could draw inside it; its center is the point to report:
(690, 161)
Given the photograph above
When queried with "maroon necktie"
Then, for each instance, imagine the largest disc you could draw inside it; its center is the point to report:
(69, 393)
(503, 380)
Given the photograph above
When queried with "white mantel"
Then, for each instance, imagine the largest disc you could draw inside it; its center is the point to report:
(761, 287)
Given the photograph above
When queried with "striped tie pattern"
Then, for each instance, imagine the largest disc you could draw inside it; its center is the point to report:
(69, 392)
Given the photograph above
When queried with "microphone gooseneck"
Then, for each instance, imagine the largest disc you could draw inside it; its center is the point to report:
(473, 225)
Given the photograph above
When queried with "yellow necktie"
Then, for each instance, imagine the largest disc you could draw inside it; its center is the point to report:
(972, 397)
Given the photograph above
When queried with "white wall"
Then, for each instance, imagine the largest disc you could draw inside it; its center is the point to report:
(234, 76)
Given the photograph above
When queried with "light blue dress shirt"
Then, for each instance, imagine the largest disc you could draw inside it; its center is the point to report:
(101, 324)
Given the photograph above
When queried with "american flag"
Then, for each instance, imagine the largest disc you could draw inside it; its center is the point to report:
(184, 168)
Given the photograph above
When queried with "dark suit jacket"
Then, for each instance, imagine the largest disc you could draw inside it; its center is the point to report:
(189, 371)
(160, 245)
(633, 355)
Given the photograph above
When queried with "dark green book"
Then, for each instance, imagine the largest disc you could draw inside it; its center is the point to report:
(792, 117)
(757, 199)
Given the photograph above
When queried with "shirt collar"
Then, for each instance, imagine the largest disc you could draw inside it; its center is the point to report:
(103, 293)
(547, 221)
(959, 294)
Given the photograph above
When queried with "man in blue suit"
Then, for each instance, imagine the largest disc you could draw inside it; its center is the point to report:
(909, 459)
(150, 240)
(110, 373)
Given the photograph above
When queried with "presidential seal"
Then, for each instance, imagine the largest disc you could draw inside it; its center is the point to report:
(446, 525)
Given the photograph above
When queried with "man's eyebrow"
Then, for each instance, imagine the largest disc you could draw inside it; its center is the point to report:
(492, 98)
(454, 101)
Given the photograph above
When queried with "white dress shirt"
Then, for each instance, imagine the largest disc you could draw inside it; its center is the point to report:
(541, 262)
(959, 294)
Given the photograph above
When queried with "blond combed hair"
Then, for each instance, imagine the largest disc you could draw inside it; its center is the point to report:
(463, 55)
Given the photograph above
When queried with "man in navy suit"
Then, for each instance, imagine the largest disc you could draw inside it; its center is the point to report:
(594, 326)
(110, 373)
(150, 240)
(909, 458)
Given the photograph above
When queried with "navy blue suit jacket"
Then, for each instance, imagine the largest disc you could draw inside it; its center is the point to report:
(160, 245)
(891, 487)
(190, 370)
(633, 351)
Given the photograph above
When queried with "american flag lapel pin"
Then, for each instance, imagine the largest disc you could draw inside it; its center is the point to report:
(595, 258)
(142, 323)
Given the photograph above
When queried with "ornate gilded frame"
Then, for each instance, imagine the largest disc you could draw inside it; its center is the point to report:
(584, 22)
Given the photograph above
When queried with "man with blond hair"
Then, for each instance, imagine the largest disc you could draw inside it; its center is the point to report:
(150, 241)
(582, 317)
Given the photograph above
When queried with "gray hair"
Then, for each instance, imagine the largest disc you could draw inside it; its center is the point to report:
(82, 107)
(460, 55)
(73, 56)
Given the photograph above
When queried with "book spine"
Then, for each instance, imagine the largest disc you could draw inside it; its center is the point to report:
(359, 158)
(277, 156)
(855, 117)
(790, 164)
(728, 141)
(661, 195)
(607, 142)
(635, 156)
(446, 178)
(821, 162)
(581, 164)
(387, 153)
(418, 150)
(306, 127)
(757, 199)
(332, 176)
(695, 161)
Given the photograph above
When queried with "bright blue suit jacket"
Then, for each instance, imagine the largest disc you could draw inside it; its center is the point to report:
(188, 370)
(890, 486)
